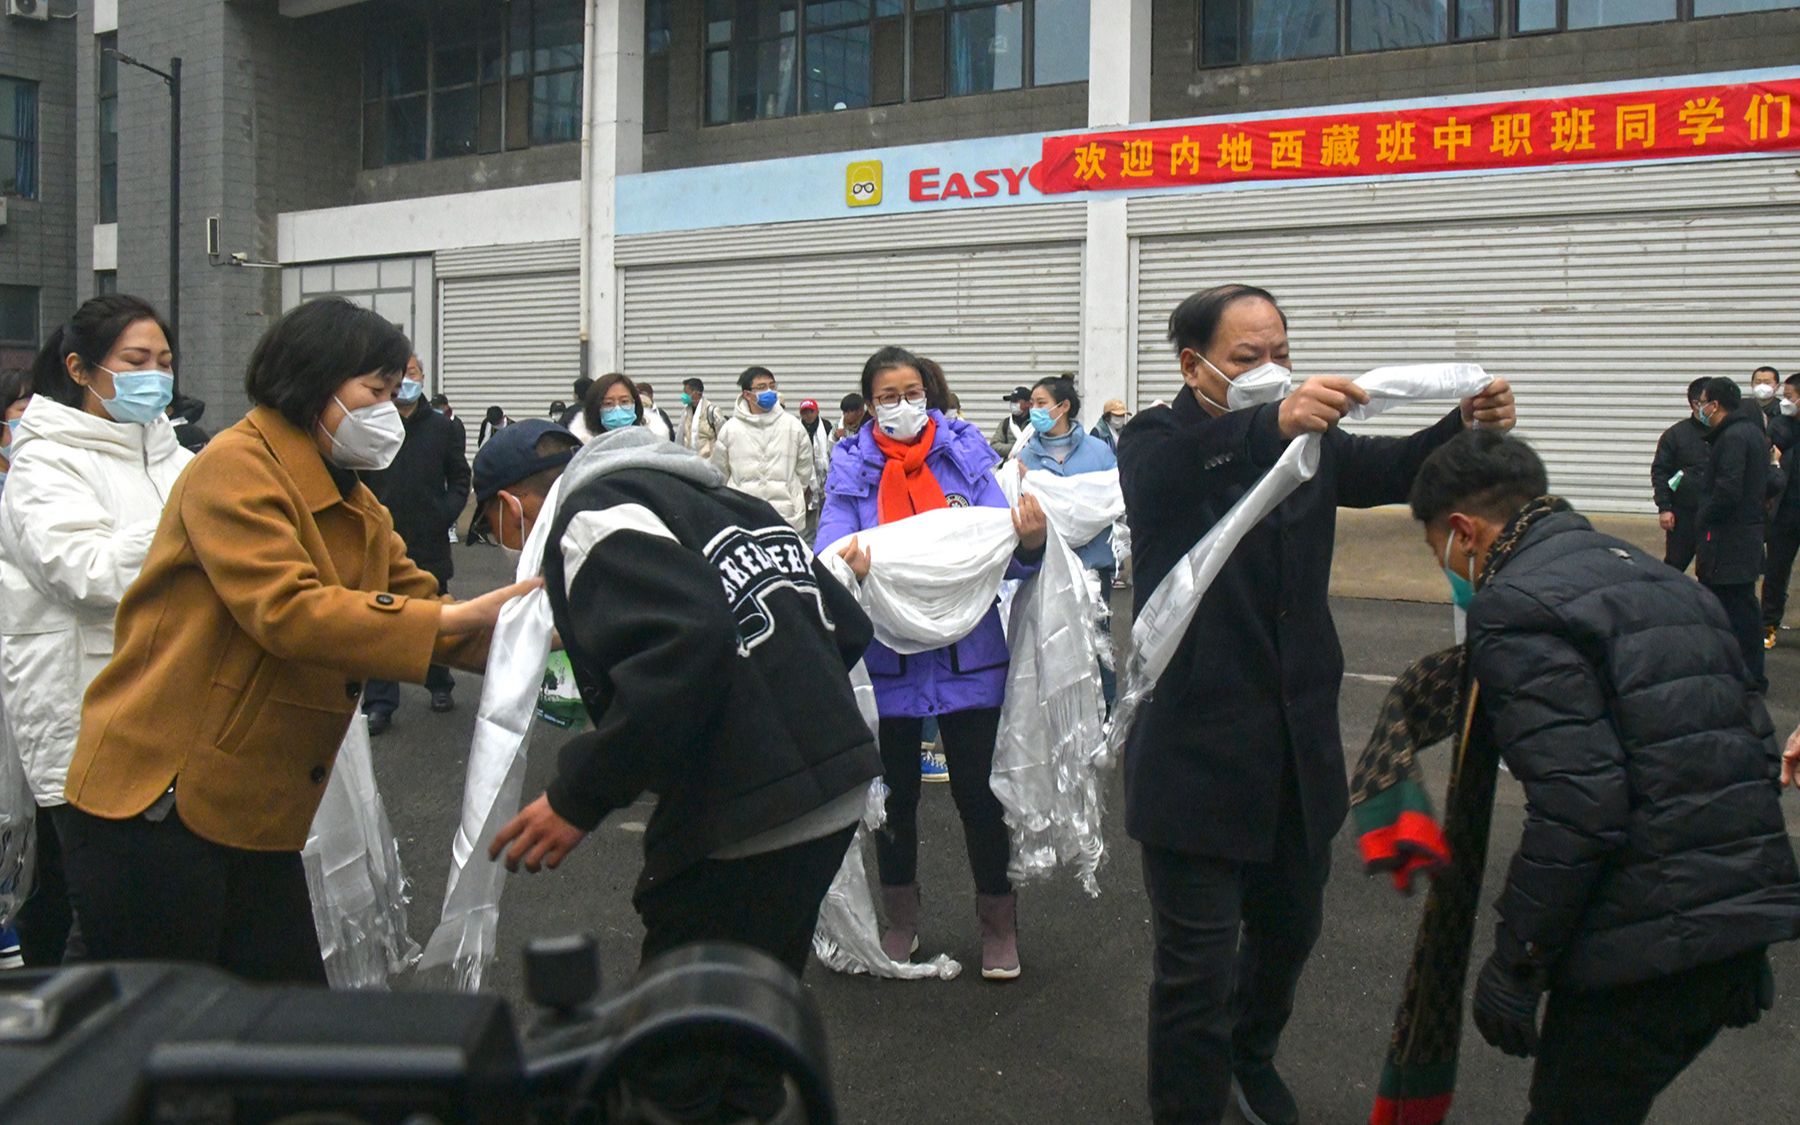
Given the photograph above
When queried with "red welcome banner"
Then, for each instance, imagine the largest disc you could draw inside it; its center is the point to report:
(1641, 125)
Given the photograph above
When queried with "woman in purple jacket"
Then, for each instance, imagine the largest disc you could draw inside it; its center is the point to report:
(910, 459)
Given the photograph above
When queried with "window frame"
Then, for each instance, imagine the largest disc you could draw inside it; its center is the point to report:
(106, 172)
(496, 21)
(1684, 12)
(911, 10)
(37, 318)
(29, 191)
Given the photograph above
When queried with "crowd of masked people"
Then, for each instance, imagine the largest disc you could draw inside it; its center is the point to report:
(186, 637)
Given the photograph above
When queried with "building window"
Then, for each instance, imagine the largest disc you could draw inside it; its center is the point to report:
(1733, 7)
(18, 140)
(1573, 15)
(106, 126)
(18, 316)
(105, 281)
(1234, 32)
(458, 77)
(776, 58)
(658, 31)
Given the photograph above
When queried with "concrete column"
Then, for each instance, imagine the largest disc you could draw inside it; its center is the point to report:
(1118, 94)
(615, 122)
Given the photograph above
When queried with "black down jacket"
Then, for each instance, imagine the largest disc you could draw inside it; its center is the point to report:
(1732, 500)
(1654, 839)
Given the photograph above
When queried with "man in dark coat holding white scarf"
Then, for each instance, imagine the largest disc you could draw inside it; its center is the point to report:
(1234, 775)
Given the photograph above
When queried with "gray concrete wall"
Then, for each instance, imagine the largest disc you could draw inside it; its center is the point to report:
(1180, 88)
(689, 143)
(37, 245)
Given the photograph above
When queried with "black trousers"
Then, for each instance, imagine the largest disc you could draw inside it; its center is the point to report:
(1680, 544)
(1784, 543)
(1745, 615)
(154, 891)
(44, 921)
(384, 695)
(969, 752)
(1231, 941)
(768, 902)
(1603, 1056)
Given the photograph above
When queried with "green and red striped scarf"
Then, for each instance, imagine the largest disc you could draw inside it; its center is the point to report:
(1432, 701)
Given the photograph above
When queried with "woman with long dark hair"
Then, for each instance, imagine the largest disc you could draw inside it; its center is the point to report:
(914, 459)
(93, 460)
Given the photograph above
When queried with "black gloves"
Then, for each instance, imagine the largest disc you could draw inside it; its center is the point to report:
(1506, 1001)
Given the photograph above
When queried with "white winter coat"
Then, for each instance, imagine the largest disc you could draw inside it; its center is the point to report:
(80, 507)
(768, 456)
(821, 451)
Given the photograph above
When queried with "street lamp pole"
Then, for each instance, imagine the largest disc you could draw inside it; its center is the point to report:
(171, 78)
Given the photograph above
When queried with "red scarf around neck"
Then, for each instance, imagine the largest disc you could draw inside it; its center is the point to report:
(907, 484)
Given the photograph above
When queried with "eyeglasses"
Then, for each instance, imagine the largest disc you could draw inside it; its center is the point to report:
(915, 397)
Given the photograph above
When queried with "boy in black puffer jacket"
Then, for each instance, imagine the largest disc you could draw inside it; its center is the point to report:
(1655, 868)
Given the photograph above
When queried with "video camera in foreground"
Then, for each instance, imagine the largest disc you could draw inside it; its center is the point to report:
(705, 1033)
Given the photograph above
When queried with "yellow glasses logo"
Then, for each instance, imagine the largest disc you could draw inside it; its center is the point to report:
(862, 183)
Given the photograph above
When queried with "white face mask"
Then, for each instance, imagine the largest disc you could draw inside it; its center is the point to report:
(1116, 422)
(1763, 391)
(369, 437)
(1789, 408)
(903, 420)
(1270, 382)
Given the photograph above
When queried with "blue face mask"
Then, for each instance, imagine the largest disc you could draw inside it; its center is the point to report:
(767, 399)
(138, 396)
(409, 392)
(1700, 417)
(1041, 421)
(617, 417)
(1462, 590)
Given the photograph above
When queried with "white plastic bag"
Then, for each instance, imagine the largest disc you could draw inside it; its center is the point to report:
(18, 829)
(359, 891)
(847, 938)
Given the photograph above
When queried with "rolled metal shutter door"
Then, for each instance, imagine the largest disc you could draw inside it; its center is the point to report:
(1600, 294)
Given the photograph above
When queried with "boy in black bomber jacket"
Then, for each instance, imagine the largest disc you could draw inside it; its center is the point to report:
(711, 652)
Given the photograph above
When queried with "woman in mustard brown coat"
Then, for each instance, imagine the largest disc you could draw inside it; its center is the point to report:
(274, 587)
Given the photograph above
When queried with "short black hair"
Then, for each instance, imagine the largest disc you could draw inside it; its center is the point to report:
(1695, 387)
(89, 334)
(582, 385)
(306, 355)
(440, 400)
(1793, 381)
(1062, 389)
(646, 389)
(693, 386)
(1723, 391)
(1481, 472)
(1196, 320)
(751, 375)
(852, 401)
(1767, 368)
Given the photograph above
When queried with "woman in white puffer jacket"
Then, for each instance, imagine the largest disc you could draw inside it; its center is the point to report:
(93, 459)
(764, 451)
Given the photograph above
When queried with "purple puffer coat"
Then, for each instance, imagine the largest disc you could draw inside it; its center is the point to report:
(972, 672)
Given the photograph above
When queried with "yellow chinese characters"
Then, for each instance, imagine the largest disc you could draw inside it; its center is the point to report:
(1139, 159)
(1338, 146)
(1636, 124)
(1765, 108)
(1700, 119)
(1571, 130)
(1090, 161)
(1184, 153)
(1394, 142)
(1450, 136)
(1512, 133)
(1237, 152)
(1285, 148)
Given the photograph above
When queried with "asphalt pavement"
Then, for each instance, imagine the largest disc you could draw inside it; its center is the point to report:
(1065, 1042)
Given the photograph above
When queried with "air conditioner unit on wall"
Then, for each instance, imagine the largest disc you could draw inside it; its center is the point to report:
(28, 9)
